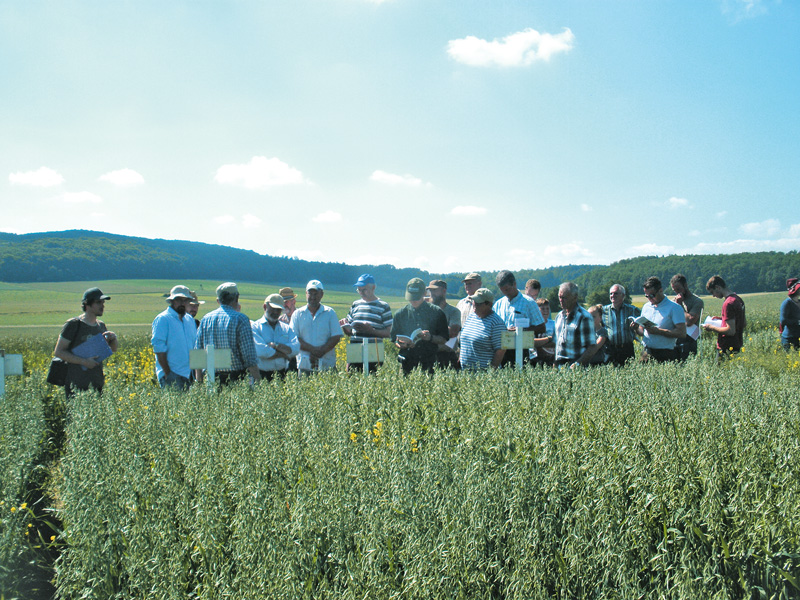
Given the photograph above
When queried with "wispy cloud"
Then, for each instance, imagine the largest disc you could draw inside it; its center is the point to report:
(329, 216)
(259, 173)
(738, 10)
(516, 50)
(122, 178)
(768, 228)
(651, 250)
(675, 203)
(81, 198)
(392, 179)
(224, 219)
(250, 221)
(586, 208)
(41, 177)
(469, 211)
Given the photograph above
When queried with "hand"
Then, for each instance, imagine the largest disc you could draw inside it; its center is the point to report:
(90, 363)
(404, 344)
(110, 336)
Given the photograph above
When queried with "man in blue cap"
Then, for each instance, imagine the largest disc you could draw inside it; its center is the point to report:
(369, 317)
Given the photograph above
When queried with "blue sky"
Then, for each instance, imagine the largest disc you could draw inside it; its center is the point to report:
(444, 135)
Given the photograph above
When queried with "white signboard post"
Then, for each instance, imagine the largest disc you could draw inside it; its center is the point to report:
(10, 364)
(517, 340)
(210, 359)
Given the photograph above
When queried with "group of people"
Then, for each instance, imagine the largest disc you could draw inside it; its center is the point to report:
(428, 332)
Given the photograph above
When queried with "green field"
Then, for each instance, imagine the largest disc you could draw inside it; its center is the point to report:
(651, 481)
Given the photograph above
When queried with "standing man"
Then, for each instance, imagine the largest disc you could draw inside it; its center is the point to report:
(85, 373)
(514, 304)
(532, 289)
(666, 323)
(193, 307)
(481, 338)
(472, 282)
(369, 317)
(289, 306)
(447, 354)
(692, 310)
(173, 337)
(418, 329)
(318, 330)
(620, 335)
(276, 342)
(575, 335)
(730, 333)
(226, 327)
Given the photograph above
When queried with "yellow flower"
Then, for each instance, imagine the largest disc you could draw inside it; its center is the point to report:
(23, 506)
(13, 509)
(353, 437)
(52, 538)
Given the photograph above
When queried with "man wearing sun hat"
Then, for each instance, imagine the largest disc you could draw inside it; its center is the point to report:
(85, 372)
(226, 327)
(418, 329)
(173, 337)
(318, 331)
(194, 307)
(276, 342)
(369, 317)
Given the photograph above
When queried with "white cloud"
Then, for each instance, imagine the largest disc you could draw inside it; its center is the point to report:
(392, 179)
(468, 211)
(674, 203)
(768, 228)
(250, 221)
(721, 214)
(224, 219)
(515, 50)
(783, 244)
(375, 259)
(259, 173)
(651, 250)
(794, 231)
(328, 216)
(743, 9)
(41, 177)
(568, 251)
(586, 208)
(122, 177)
(81, 198)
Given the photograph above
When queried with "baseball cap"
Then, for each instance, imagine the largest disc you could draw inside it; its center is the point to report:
(179, 291)
(472, 277)
(437, 284)
(287, 293)
(275, 301)
(415, 289)
(227, 290)
(314, 284)
(93, 295)
(482, 295)
(364, 280)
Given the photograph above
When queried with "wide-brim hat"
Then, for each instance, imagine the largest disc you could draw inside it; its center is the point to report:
(472, 277)
(180, 291)
(287, 293)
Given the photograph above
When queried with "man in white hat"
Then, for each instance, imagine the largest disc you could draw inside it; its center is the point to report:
(172, 338)
(318, 330)
(276, 342)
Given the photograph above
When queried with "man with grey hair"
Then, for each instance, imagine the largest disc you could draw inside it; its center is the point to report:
(615, 317)
(173, 337)
(226, 327)
(276, 342)
(575, 335)
(472, 282)
(513, 305)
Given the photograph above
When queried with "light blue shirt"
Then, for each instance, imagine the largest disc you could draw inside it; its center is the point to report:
(264, 334)
(175, 336)
(666, 315)
(506, 309)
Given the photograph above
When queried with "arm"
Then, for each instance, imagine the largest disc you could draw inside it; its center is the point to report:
(497, 359)
(61, 351)
(728, 327)
(264, 349)
(678, 332)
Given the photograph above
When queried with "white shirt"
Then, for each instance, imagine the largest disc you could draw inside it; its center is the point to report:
(316, 329)
(263, 334)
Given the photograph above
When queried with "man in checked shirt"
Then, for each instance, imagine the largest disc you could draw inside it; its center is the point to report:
(620, 335)
(226, 327)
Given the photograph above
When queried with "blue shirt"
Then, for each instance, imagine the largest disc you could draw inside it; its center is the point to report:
(506, 309)
(480, 339)
(263, 334)
(666, 314)
(227, 328)
(174, 335)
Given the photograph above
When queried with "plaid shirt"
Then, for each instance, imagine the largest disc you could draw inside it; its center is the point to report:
(227, 328)
(619, 333)
(574, 335)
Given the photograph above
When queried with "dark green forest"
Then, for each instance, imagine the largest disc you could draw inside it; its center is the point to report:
(93, 256)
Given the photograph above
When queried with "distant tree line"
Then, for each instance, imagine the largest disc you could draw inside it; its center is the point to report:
(88, 255)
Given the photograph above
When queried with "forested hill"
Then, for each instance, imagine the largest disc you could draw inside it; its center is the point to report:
(94, 256)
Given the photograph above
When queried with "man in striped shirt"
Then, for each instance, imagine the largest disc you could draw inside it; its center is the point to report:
(615, 317)
(369, 317)
(481, 337)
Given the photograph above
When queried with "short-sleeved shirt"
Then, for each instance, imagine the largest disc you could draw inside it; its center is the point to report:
(228, 328)
(528, 309)
(78, 332)
(619, 332)
(574, 333)
(316, 329)
(694, 306)
(732, 308)
(666, 315)
(376, 312)
(465, 307)
(264, 334)
(174, 335)
(426, 317)
(480, 339)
